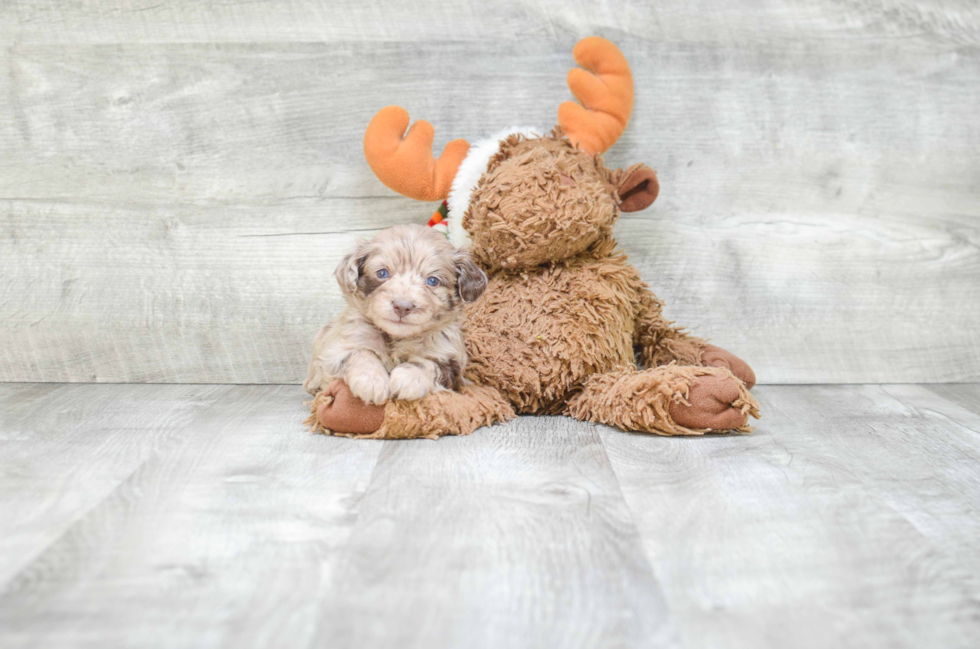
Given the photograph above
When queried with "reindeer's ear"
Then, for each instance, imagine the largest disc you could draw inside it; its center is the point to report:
(350, 267)
(637, 187)
(471, 281)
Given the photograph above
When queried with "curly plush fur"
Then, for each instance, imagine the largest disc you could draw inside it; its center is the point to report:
(641, 400)
(439, 414)
(541, 200)
(564, 311)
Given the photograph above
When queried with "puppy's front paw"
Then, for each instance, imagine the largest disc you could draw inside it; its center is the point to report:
(369, 385)
(409, 382)
(316, 379)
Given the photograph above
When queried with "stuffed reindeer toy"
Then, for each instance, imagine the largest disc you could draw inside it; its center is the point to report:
(566, 324)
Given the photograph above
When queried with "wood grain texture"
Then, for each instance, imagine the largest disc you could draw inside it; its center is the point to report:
(945, 503)
(516, 536)
(966, 395)
(818, 215)
(425, 21)
(244, 529)
(208, 516)
(846, 519)
(66, 448)
(223, 536)
(171, 294)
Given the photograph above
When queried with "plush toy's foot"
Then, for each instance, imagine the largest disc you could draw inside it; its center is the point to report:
(712, 356)
(713, 403)
(667, 400)
(338, 412)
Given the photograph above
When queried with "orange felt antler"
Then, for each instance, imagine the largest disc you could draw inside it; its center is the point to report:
(406, 165)
(605, 88)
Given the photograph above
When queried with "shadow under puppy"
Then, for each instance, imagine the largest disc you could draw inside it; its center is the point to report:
(399, 336)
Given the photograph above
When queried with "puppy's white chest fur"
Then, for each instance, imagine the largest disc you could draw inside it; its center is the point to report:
(353, 349)
(436, 346)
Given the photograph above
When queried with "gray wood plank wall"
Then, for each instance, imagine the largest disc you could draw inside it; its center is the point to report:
(178, 180)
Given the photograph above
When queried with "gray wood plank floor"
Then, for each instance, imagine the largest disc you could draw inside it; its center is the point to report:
(187, 515)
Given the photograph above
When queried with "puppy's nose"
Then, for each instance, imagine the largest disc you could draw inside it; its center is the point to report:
(402, 307)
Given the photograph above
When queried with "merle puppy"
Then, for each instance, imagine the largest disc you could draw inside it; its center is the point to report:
(399, 336)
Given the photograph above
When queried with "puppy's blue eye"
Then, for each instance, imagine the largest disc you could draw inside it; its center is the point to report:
(383, 274)
(432, 281)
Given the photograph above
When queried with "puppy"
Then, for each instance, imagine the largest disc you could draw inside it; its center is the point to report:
(399, 337)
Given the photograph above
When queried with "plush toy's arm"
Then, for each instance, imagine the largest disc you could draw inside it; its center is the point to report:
(338, 412)
(658, 341)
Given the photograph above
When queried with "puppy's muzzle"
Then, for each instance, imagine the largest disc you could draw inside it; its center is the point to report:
(402, 307)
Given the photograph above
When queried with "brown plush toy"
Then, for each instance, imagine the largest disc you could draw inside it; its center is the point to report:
(565, 320)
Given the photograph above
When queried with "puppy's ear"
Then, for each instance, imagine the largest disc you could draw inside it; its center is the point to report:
(471, 281)
(351, 266)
